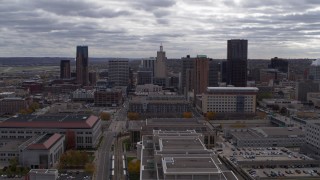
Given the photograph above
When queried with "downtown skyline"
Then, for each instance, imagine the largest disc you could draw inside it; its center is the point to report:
(134, 29)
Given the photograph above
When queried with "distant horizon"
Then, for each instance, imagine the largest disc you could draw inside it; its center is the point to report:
(73, 58)
(284, 28)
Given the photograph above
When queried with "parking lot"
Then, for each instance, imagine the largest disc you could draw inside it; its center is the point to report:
(272, 162)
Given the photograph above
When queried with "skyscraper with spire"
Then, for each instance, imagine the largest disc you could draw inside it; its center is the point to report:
(160, 70)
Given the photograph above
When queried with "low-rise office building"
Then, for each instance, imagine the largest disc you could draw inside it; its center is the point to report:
(43, 151)
(39, 151)
(108, 97)
(159, 105)
(12, 105)
(228, 100)
(268, 137)
(81, 131)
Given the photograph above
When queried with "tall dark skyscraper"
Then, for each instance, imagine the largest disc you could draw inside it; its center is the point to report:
(82, 65)
(280, 64)
(65, 69)
(237, 59)
(214, 68)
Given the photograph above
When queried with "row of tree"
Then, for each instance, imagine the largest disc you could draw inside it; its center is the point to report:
(135, 116)
(76, 160)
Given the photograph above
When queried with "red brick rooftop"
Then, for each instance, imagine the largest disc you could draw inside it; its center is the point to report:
(51, 121)
(46, 142)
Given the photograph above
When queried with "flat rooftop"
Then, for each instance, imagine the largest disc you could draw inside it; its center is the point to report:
(159, 99)
(189, 165)
(232, 89)
(51, 121)
(181, 144)
(44, 171)
(265, 132)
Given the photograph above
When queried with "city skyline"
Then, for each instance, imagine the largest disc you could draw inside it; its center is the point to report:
(135, 29)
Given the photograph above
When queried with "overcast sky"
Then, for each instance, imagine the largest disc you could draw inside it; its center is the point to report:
(135, 28)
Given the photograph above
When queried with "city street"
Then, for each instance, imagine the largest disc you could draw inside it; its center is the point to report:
(117, 125)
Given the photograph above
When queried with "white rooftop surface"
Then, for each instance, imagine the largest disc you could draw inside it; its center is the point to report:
(233, 88)
(189, 165)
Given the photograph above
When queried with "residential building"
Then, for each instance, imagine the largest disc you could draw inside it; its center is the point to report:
(119, 72)
(237, 58)
(65, 72)
(82, 63)
(228, 100)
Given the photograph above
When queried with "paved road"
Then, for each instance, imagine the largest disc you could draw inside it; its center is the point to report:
(104, 156)
(117, 125)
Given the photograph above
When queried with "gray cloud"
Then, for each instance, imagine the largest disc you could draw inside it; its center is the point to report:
(136, 28)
